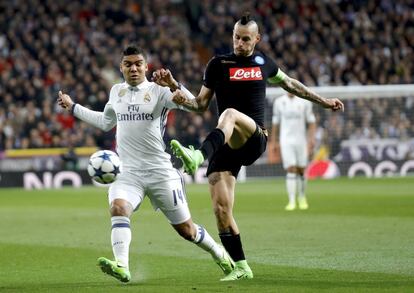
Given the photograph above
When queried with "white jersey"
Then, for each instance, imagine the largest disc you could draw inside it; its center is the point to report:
(140, 116)
(292, 114)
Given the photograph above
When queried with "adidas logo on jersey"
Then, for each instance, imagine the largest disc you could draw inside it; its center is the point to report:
(242, 74)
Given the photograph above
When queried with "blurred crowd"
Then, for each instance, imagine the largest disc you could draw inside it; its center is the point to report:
(75, 46)
(366, 119)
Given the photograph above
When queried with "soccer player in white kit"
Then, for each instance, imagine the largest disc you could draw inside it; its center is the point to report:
(291, 115)
(138, 108)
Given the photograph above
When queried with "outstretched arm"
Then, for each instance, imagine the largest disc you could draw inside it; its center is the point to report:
(105, 120)
(182, 96)
(199, 104)
(65, 101)
(298, 89)
(164, 77)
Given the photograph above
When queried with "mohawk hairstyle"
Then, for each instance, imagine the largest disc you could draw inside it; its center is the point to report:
(245, 19)
(133, 49)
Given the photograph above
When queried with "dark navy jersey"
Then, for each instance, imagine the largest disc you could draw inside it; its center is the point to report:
(240, 82)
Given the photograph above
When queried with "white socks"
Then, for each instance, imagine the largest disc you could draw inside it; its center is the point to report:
(121, 239)
(291, 186)
(301, 185)
(207, 243)
(295, 184)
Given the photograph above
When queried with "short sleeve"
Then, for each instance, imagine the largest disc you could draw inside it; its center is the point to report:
(280, 75)
(272, 68)
(165, 97)
(111, 94)
(211, 72)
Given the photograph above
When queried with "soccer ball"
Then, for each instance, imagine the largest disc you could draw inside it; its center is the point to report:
(104, 166)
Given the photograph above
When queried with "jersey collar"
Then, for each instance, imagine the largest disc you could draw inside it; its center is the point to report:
(143, 85)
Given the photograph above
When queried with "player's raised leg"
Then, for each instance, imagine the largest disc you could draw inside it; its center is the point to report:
(191, 158)
(233, 128)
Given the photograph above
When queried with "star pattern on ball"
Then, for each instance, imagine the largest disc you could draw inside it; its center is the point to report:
(105, 156)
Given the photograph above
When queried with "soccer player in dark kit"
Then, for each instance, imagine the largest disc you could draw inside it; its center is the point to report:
(238, 80)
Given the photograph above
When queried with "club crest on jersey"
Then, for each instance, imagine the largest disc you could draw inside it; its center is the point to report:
(259, 60)
(147, 98)
(247, 73)
(122, 92)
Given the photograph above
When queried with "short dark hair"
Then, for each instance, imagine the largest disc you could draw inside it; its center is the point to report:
(133, 49)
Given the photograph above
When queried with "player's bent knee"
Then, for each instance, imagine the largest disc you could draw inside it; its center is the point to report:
(120, 209)
(186, 231)
(229, 113)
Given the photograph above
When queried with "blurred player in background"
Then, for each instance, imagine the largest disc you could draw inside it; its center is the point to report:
(295, 142)
(139, 108)
(238, 80)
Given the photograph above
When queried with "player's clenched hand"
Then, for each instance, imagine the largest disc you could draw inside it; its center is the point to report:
(334, 105)
(65, 101)
(179, 97)
(163, 77)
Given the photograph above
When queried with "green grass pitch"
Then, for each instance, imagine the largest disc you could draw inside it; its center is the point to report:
(357, 236)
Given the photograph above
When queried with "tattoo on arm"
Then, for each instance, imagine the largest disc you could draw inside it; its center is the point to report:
(196, 105)
(299, 89)
(191, 104)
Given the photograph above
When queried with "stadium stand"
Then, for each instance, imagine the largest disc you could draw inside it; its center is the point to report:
(50, 45)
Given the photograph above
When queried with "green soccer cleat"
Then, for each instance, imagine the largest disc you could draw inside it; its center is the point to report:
(303, 203)
(111, 268)
(225, 263)
(241, 271)
(191, 158)
(290, 207)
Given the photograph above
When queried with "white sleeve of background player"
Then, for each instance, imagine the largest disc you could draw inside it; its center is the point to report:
(167, 96)
(310, 116)
(105, 120)
(276, 112)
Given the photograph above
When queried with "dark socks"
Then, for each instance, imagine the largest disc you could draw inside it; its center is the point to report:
(232, 243)
(212, 143)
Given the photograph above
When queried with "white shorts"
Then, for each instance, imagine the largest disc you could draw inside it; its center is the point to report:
(166, 193)
(294, 155)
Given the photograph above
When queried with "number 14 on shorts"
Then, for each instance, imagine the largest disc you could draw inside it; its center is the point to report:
(179, 196)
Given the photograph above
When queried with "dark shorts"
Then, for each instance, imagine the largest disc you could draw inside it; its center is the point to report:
(228, 159)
